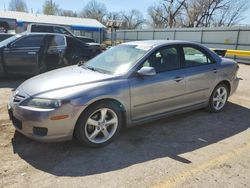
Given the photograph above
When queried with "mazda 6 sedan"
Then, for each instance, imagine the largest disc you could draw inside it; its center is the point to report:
(129, 84)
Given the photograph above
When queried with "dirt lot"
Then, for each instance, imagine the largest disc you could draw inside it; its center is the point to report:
(196, 149)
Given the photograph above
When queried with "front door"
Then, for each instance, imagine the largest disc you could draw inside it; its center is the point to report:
(153, 95)
(22, 56)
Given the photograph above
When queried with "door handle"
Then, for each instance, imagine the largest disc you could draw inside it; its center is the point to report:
(178, 78)
(31, 53)
(215, 70)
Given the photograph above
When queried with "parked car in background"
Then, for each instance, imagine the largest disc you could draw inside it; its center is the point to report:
(45, 28)
(128, 84)
(34, 53)
(35, 27)
(4, 36)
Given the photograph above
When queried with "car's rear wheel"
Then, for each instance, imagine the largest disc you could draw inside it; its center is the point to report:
(218, 98)
(99, 125)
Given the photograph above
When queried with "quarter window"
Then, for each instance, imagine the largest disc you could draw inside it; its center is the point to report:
(195, 57)
(163, 60)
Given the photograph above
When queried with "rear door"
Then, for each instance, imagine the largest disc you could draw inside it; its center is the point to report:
(22, 56)
(200, 73)
(55, 52)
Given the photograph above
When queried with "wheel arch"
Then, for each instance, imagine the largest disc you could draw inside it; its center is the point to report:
(107, 100)
(227, 83)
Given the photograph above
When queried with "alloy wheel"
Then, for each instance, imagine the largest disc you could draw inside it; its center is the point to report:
(101, 125)
(220, 98)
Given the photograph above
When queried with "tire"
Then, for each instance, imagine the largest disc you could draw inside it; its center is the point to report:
(218, 102)
(104, 128)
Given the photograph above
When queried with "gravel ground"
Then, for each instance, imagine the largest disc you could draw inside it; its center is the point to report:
(195, 149)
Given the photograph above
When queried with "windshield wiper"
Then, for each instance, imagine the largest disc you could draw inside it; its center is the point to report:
(90, 68)
(94, 69)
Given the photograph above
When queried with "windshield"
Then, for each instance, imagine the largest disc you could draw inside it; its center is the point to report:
(117, 60)
(8, 40)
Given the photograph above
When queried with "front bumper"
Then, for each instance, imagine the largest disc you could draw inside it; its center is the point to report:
(36, 123)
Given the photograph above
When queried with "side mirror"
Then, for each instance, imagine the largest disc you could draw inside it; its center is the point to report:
(147, 71)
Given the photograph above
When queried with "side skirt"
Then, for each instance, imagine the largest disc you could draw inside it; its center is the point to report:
(166, 114)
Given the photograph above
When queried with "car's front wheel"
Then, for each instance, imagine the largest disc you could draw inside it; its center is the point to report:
(99, 124)
(218, 98)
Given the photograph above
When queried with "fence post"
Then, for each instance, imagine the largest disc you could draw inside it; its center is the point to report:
(137, 32)
(124, 38)
(237, 39)
(201, 35)
(153, 34)
(174, 33)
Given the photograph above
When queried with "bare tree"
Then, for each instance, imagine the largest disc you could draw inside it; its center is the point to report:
(114, 16)
(231, 14)
(95, 10)
(132, 19)
(173, 8)
(157, 16)
(166, 12)
(68, 13)
(50, 8)
(18, 5)
(204, 13)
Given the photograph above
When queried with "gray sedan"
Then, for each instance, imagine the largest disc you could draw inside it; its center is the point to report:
(127, 85)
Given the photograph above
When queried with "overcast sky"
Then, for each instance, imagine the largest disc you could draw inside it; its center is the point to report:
(112, 5)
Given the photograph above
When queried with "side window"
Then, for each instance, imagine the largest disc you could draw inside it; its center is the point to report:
(56, 40)
(195, 57)
(61, 31)
(29, 41)
(41, 28)
(163, 60)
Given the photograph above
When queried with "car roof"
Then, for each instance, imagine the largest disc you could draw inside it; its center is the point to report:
(40, 33)
(158, 42)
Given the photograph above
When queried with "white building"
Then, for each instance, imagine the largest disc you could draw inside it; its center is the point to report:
(18, 21)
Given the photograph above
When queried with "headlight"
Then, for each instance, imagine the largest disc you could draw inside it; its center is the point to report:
(42, 103)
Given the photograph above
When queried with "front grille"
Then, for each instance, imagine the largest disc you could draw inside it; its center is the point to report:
(18, 98)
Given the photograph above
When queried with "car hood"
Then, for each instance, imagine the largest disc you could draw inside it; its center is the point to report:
(62, 78)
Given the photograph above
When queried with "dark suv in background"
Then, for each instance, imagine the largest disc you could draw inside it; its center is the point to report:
(34, 53)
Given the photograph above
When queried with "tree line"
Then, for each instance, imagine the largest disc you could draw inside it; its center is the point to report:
(161, 14)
